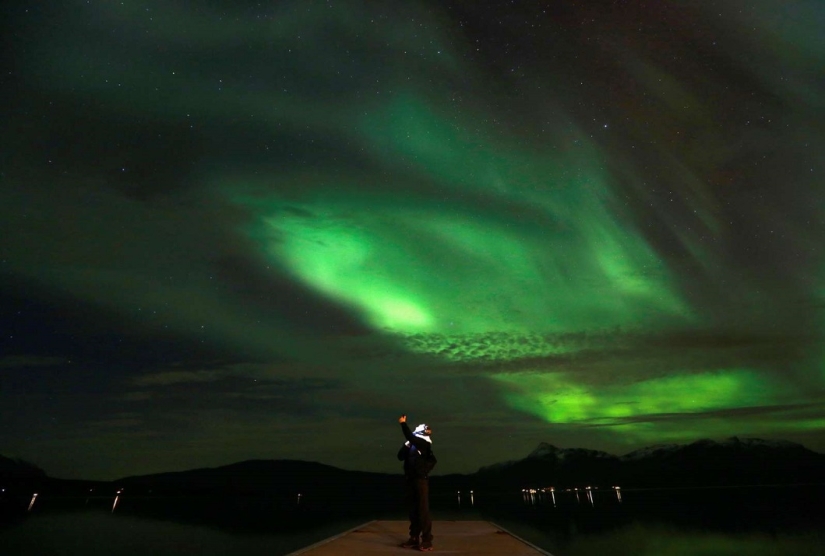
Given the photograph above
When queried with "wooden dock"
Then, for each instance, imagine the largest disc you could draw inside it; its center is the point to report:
(480, 538)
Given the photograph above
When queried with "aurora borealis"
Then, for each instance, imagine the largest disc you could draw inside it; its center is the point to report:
(237, 230)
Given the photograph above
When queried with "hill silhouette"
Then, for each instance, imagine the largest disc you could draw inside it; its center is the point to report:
(11, 468)
(705, 462)
(702, 463)
(733, 461)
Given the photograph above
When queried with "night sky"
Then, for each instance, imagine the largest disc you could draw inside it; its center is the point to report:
(234, 230)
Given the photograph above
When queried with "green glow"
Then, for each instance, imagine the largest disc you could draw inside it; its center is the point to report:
(557, 398)
(407, 127)
(480, 224)
(447, 272)
(672, 408)
(349, 265)
(537, 250)
(512, 238)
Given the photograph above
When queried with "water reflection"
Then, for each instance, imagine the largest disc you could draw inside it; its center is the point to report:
(95, 533)
(117, 499)
(538, 496)
(471, 498)
(31, 504)
(560, 520)
(541, 496)
(651, 538)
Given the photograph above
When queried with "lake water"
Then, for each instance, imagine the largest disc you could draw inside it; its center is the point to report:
(689, 522)
(683, 522)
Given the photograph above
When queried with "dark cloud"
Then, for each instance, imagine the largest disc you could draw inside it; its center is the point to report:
(272, 292)
(616, 355)
(29, 361)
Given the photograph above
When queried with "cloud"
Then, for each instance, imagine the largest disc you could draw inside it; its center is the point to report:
(197, 374)
(120, 421)
(138, 396)
(625, 356)
(280, 374)
(250, 387)
(30, 361)
(166, 378)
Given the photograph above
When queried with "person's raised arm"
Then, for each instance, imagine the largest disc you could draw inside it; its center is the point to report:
(405, 428)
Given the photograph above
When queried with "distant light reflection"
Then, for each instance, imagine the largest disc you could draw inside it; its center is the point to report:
(546, 495)
(117, 498)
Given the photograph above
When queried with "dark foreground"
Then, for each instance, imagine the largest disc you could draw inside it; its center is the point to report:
(691, 521)
(480, 538)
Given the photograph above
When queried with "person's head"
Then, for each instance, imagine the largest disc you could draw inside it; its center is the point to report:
(423, 429)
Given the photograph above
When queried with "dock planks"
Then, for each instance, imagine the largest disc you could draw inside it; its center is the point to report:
(480, 538)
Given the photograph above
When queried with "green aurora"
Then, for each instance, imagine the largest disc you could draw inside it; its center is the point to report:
(605, 235)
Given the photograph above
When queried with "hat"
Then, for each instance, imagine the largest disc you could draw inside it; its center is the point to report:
(421, 432)
(421, 428)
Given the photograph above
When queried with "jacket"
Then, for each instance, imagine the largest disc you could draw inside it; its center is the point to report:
(417, 455)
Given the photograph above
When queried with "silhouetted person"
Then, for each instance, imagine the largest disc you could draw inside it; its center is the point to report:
(419, 460)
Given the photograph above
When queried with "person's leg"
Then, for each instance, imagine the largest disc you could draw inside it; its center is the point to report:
(426, 524)
(413, 506)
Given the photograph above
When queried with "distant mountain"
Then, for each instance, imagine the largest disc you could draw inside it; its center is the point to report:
(734, 461)
(262, 476)
(19, 469)
(733, 443)
(548, 464)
